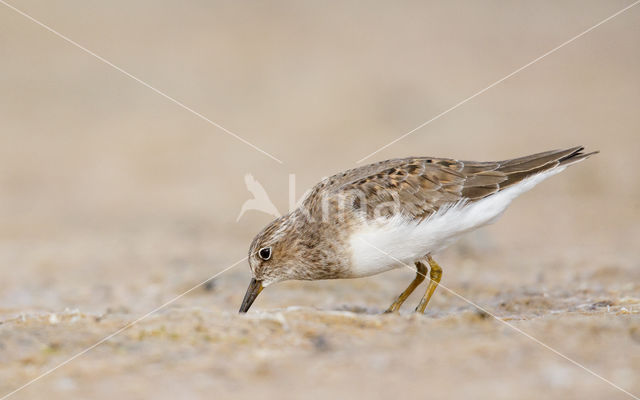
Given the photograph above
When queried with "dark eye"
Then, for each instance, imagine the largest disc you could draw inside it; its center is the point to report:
(265, 253)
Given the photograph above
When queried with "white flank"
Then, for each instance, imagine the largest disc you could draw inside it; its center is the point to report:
(409, 241)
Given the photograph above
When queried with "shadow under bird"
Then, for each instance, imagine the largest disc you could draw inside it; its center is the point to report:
(390, 214)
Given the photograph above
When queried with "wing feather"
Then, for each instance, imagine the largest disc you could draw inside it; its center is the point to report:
(422, 185)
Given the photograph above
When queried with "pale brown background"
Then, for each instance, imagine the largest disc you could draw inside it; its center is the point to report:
(114, 200)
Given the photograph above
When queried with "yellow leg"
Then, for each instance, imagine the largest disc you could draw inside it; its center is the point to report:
(435, 273)
(420, 275)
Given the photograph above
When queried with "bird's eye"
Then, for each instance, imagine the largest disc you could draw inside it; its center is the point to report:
(265, 253)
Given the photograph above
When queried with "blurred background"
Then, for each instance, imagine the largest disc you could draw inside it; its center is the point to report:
(114, 200)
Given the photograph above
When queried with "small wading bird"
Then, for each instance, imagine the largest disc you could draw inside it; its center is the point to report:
(382, 216)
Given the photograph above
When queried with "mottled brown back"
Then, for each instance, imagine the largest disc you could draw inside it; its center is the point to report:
(424, 184)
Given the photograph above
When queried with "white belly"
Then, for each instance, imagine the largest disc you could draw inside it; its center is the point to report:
(388, 243)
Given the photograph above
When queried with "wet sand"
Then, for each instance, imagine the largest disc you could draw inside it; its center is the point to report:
(115, 201)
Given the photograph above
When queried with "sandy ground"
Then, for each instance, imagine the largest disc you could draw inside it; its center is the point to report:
(114, 200)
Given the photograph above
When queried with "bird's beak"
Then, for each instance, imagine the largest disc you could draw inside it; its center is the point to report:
(255, 287)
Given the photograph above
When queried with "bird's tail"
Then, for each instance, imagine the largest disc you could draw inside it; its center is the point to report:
(518, 169)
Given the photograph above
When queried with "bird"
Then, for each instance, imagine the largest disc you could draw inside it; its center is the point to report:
(381, 216)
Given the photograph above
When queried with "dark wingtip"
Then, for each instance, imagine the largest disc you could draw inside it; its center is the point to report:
(576, 155)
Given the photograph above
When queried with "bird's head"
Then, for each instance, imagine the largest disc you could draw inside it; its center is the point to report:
(276, 254)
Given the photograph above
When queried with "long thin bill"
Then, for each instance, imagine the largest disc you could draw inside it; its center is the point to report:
(255, 287)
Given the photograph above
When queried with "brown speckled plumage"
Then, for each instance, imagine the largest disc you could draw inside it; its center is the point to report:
(424, 184)
(312, 241)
